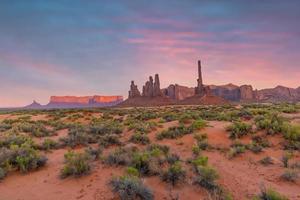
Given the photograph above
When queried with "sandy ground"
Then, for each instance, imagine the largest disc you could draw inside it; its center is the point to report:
(241, 176)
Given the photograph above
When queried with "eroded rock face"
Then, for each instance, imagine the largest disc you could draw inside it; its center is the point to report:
(279, 93)
(247, 92)
(85, 100)
(134, 91)
(156, 88)
(229, 92)
(178, 92)
(152, 89)
(200, 89)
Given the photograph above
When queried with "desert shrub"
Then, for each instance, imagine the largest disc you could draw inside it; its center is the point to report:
(76, 136)
(292, 132)
(120, 156)
(147, 163)
(131, 171)
(36, 129)
(174, 174)
(2, 173)
(154, 147)
(110, 139)
(139, 138)
(49, 144)
(198, 124)
(146, 115)
(267, 161)
(238, 129)
(5, 127)
(272, 123)
(200, 161)
(15, 139)
(285, 159)
(174, 132)
(202, 141)
(140, 126)
(206, 177)
(173, 158)
(196, 150)
(290, 175)
(168, 117)
(76, 164)
(131, 188)
(94, 153)
(269, 194)
(25, 158)
(261, 141)
(106, 127)
(236, 149)
(255, 147)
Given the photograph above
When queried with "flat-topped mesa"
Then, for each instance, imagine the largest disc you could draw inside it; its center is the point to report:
(200, 90)
(134, 91)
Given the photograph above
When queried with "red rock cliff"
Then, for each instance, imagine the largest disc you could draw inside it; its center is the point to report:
(84, 99)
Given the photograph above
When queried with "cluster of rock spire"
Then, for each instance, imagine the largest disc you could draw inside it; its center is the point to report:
(229, 92)
(150, 89)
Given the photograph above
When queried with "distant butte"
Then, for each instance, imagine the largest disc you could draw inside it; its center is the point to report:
(203, 94)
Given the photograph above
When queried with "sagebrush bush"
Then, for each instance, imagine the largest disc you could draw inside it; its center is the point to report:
(139, 138)
(131, 188)
(110, 139)
(238, 129)
(174, 174)
(272, 123)
(290, 175)
(267, 161)
(269, 194)
(76, 136)
(206, 177)
(174, 132)
(236, 149)
(76, 164)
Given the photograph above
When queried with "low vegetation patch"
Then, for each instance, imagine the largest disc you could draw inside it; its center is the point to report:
(131, 188)
(238, 129)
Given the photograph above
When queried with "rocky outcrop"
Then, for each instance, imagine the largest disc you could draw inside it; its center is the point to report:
(200, 90)
(229, 92)
(178, 92)
(247, 93)
(152, 89)
(134, 91)
(278, 94)
(34, 105)
(83, 101)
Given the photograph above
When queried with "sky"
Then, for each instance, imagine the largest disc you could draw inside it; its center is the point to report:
(89, 47)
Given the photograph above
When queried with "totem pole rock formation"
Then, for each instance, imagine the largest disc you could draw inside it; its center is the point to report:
(200, 89)
(134, 91)
(150, 89)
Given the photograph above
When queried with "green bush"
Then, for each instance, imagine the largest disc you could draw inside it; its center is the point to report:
(236, 149)
(27, 158)
(76, 136)
(120, 156)
(131, 188)
(110, 139)
(198, 124)
(174, 132)
(76, 164)
(5, 127)
(139, 138)
(200, 161)
(285, 159)
(267, 161)
(290, 175)
(238, 129)
(174, 174)
(272, 123)
(49, 144)
(2, 173)
(206, 177)
(269, 194)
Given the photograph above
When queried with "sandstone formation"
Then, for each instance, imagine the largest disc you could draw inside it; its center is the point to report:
(178, 92)
(278, 94)
(200, 90)
(134, 91)
(247, 93)
(83, 101)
